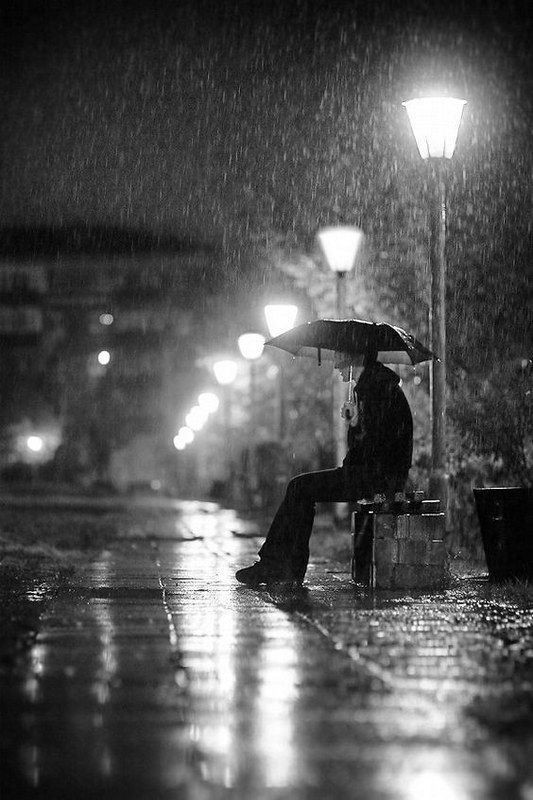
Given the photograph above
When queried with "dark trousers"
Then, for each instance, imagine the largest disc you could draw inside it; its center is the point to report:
(287, 541)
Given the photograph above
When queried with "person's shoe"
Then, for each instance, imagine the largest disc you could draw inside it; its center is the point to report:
(261, 573)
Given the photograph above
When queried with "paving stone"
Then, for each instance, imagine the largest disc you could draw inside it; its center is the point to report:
(418, 576)
(426, 527)
(412, 551)
(436, 553)
(208, 690)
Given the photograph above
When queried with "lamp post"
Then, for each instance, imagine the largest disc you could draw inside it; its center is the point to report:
(280, 318)
(435, 124)
(225, 373)
(340, 246)
(251, 347)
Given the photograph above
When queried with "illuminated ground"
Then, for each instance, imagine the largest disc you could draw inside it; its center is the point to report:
(150, 673)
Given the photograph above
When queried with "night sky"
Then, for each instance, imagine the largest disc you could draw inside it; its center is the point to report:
(219, 120)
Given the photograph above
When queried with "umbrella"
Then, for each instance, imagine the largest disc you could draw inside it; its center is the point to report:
(324, 336)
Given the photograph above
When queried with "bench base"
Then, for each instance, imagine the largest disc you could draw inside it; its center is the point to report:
(399, 551)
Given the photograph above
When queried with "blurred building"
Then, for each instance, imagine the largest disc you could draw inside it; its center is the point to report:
(101, 354)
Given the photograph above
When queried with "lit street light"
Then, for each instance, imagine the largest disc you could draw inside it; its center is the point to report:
(340, 246)
(251, 346)
(186, 434)
(225, 372)
(34, 443)
(280, 318)
(196, 418)
(104, 357)
(435, 123)
(209, 401)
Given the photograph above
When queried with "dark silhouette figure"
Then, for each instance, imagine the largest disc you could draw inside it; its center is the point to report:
(380, 445)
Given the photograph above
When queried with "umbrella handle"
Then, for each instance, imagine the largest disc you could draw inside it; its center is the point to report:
(350, 382)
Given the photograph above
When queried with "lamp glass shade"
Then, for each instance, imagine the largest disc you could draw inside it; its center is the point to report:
(34, 443)
(340, 245)
(196, 418)
(280, 318)
(186, 434)
(209, 401)
(251, 345)
(104, 357)
(225, 371)
(435, 122)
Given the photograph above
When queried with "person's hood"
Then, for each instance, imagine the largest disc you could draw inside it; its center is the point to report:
(376, 380)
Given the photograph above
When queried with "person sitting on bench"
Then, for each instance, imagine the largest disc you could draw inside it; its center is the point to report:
(380, 446)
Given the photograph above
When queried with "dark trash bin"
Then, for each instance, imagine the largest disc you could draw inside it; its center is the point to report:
(506, 520)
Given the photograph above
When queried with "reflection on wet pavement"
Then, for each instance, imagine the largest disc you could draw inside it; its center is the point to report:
(157, 676)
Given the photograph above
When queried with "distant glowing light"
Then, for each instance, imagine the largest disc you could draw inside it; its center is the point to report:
(106, 319)
(35, 444)
(104, 357)
(208, 401)
(340, 245)
(280, 318)
(179, 444)
(186, 435)
(435, 785)
(225, 371)
(196, 418)
(435, 123)
(251, 345)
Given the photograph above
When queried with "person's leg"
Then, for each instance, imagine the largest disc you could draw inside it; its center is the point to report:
(286, 548)
(326, 486)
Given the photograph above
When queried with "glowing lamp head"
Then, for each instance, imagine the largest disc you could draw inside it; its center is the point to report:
(280, 318)
(104, 357)
(209, 402)
(340, 245)
(225, 371)
(34, 443)
(186, 435)
(251, 345)
(435, 123)
(196, 418)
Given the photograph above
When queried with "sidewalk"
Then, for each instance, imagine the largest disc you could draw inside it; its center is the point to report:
(155, 675)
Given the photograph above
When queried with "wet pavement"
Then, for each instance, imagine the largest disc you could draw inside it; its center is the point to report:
(153, 674)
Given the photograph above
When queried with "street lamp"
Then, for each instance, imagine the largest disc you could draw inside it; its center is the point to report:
(186, 434)
(34, 443)
(196, 418)
(340, 245)
(435, 123)
(225, 373)
(209, 401)
(251, 346)
(104, 357)
(280, 318)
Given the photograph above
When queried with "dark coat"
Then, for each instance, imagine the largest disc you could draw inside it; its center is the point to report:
(380, 446)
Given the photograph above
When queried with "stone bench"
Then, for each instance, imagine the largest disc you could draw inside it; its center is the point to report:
(399, 544)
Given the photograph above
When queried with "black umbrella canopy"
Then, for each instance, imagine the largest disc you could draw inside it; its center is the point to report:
(359, 337)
